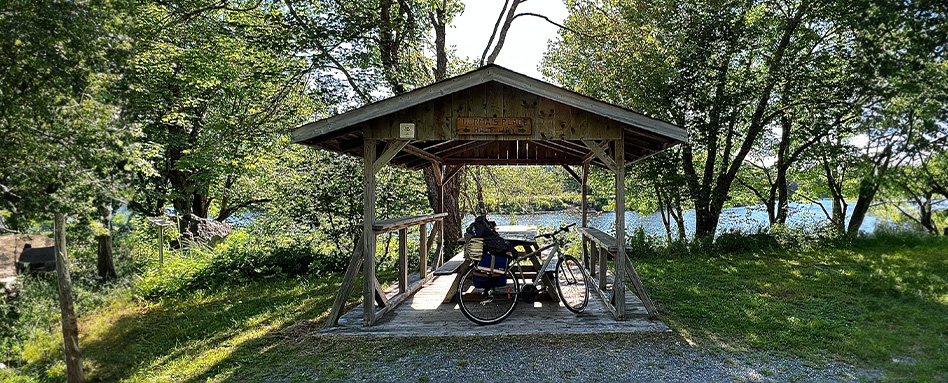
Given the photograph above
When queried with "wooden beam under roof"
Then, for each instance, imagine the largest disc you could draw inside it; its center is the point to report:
(513, 162)
(422, 153)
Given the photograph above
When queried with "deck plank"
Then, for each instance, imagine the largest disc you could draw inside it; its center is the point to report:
(424, 314)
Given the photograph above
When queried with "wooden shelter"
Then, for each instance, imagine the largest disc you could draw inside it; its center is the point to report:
(489, 116)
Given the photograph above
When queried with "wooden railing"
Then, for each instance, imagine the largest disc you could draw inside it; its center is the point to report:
(402, 225)
(597, 248)
(383, 303)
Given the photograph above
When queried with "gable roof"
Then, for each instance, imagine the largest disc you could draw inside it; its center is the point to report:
(343, 133)
(316, 130)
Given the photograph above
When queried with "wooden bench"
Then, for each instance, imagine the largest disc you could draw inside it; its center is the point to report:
(600, 247)
(452, 265)
(602, 239)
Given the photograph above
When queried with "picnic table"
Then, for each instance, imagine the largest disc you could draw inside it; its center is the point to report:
(523, 238)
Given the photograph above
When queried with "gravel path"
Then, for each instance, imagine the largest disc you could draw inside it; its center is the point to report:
(637, 358)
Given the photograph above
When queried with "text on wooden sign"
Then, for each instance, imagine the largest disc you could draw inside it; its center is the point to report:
(495, 125)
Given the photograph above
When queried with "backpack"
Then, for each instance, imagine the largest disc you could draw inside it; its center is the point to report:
(492, 253)
(493, 242)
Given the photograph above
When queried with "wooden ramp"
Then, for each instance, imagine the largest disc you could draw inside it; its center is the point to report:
(423, 314)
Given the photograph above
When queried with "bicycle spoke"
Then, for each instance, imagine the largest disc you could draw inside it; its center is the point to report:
(572, 284)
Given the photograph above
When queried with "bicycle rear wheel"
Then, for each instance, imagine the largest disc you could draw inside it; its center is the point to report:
(572, 283)
(486, 306)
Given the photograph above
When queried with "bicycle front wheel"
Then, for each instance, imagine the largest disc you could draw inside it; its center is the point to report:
(487, 305)
(572, 282)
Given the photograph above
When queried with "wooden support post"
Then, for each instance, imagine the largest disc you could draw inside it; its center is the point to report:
(618, 288)
(583, 184)
(643, 295)
(439, 253)
(439, 249)
(603, 265)
(602, 155)
(70, 328)
(402, 260)
(161, 246)
(593, 257)
(368, 235)
(423, 250)
(391, 149)
(572, 173)
(351, 272)
(380, 298)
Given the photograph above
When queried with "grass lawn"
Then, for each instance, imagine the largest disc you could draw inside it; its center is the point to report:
(880, 299)
(864, 305)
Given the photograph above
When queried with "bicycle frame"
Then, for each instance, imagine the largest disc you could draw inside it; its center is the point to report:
(554, 253)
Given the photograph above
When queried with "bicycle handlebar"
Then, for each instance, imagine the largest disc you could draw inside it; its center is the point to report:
(562, 229)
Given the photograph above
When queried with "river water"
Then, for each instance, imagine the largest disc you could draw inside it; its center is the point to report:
(749, 219)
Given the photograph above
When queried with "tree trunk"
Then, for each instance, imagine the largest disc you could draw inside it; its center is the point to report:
(105, 263)
(452, 193)
(706, 219)
(679, 216)
(780, 183)
(479, 190)
(868, 187)
(867, 192)
(452, 189)
(69, 326)
(925, 214)
(665, 210)
(502, 37)
(437, 19)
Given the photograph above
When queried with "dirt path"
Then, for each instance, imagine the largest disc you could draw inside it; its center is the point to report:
(592, 358)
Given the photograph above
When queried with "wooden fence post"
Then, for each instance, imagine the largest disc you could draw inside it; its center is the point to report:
(70, 328)
(423, 250)
(402, 260)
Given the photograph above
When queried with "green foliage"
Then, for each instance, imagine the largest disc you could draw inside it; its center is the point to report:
(33, 315)
(245, 256)
(510, 189)
(214, 89)
(62, 146)
(752, 81)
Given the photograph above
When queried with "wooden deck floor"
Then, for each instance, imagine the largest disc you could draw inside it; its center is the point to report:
(423, 314)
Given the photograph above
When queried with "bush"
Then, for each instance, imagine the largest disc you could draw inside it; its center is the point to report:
(247, 254)
(773, 238)
(739, 242)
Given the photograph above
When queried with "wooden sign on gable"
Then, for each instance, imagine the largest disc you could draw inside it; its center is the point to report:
(495, 125)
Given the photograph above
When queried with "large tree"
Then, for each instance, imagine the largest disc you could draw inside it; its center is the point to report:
(213, 85)
(63, 147)
(376, 48)
(733, 73)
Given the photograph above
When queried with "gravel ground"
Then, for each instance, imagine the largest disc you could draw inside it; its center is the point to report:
(640, 358)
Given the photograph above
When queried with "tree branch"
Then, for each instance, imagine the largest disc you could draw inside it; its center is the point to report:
(558, 24)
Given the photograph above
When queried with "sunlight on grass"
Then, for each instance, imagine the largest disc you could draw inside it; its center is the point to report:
(864, 305)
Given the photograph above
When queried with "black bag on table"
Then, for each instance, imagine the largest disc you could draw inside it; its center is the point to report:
(492, 264)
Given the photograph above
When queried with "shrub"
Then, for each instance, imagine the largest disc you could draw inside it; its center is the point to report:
(246, 255)
(734, 242)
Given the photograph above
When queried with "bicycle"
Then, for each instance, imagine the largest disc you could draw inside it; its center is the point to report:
(491, 305)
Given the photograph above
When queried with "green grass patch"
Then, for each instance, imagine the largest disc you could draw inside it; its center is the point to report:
(206, 335)
(880, 298)
(865, 303)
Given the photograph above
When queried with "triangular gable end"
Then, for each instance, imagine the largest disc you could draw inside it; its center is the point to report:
(557, 120)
